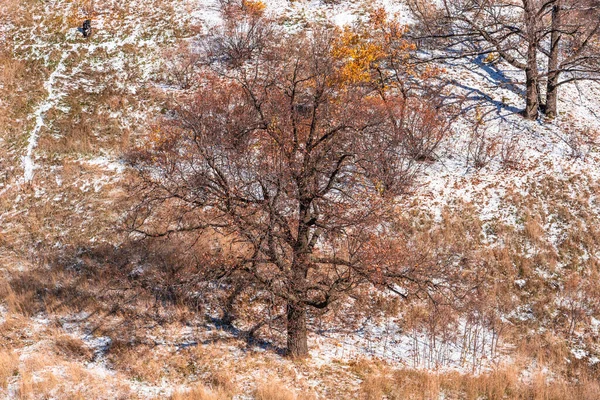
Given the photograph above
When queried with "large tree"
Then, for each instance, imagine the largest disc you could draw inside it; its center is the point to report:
(295, 157)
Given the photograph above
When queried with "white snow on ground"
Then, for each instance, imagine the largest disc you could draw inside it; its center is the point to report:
(341, 13)
(50, 101)
(545, 149)
(473, 349)
(2, 313)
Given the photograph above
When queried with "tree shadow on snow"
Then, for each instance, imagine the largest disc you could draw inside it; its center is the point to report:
(477, 98)
(492, 74)
(125, 293)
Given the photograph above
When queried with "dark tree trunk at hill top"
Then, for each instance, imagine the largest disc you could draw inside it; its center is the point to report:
(532, 105)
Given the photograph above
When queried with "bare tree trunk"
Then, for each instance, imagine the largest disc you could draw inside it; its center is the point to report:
(297, 344)
(531, 75)
(228, 310)
(532, 103)
(553, 73)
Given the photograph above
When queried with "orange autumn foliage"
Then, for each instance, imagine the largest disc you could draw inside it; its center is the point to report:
(360, 56)
(254, 7)
(377, 52)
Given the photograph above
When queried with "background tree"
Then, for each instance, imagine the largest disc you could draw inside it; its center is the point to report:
(471, 28)
(566, 32)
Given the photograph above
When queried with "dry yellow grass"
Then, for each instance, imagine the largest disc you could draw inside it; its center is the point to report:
(42, 375)
(502, 384)
(201, 392)
(9, 366)
(72, 348)
(31, 291)
(273, 389)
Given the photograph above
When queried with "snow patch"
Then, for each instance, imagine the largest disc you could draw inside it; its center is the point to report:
(43, 108)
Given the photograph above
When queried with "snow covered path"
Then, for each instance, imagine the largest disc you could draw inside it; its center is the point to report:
(50, 102)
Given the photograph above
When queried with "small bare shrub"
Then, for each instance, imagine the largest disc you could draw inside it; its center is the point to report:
(424, 127)
(244, 33)
(580, 141)
(482, 148)
(180, 66)
(577, 148)
(511, 153)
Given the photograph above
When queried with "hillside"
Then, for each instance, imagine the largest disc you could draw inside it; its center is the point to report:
(509, 208)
